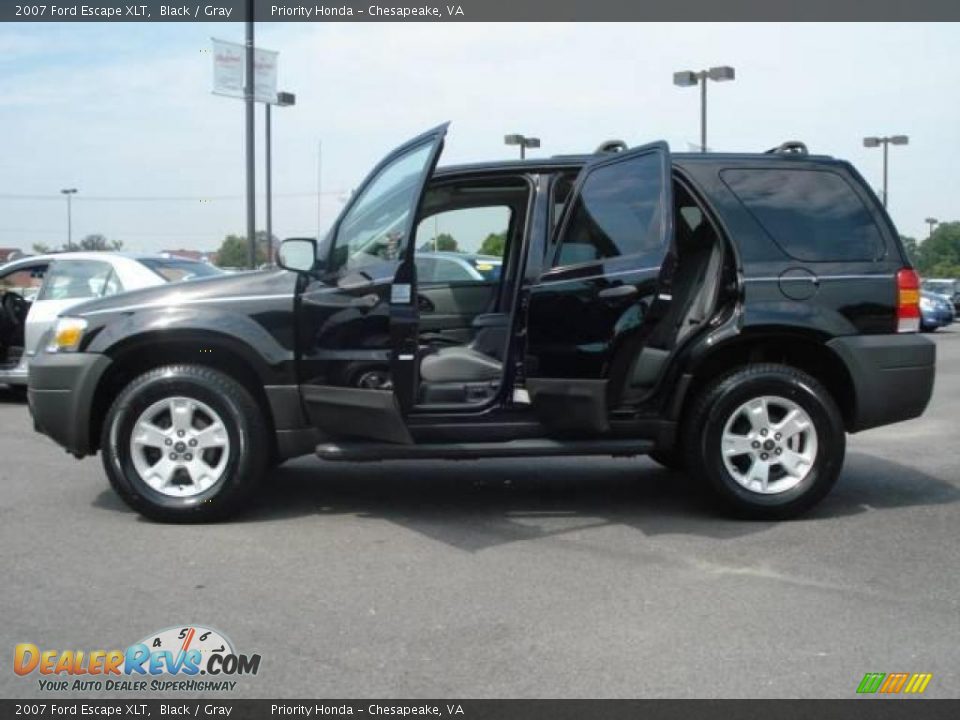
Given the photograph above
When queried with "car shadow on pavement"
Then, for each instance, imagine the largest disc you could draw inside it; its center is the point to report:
(12, 396)
(477, 505)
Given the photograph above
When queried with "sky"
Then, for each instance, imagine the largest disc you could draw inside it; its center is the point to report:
(124, 112)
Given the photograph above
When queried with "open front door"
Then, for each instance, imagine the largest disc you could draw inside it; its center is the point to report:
(357, 320)
(590, 309)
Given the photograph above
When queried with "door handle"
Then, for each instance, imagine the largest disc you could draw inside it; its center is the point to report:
(617, 292)
(367, 301)
(425, 304)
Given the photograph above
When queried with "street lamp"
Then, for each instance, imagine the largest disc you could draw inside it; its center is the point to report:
(523, 141)
(932, 222)
(689, 78)
(284, 99)
(69, 192)
(886, 141)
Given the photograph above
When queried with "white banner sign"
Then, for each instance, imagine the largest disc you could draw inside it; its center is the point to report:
(229, 67)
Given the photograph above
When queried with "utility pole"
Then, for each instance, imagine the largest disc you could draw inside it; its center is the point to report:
(248, 102)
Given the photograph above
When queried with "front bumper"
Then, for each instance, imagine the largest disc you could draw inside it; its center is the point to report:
(60, 394)
(892, 376)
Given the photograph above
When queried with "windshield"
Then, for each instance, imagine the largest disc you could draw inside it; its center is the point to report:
(372, 231)
(175, 269)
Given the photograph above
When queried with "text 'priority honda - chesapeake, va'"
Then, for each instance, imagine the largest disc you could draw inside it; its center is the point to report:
(731, 315)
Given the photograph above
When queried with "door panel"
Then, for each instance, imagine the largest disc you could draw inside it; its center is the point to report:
(592, 305)
(358, 311)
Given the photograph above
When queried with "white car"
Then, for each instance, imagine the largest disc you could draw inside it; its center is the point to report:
(35, 289)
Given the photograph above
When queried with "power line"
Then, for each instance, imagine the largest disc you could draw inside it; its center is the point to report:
(161, 198)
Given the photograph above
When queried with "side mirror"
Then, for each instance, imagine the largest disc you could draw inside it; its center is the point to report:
(297, 254)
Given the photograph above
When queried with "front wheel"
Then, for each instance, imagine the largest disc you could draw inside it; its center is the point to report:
(185, 443)
(768, 440)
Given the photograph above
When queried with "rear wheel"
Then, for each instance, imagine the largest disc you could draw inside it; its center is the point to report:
(768, 440)
(185, 444)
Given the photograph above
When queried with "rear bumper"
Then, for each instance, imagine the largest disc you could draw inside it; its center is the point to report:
(892, 376)
(60, 394)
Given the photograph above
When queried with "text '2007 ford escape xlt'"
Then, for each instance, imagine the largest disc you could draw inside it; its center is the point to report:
(733, 315)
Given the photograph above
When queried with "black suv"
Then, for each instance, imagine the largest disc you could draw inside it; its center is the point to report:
(733, 315)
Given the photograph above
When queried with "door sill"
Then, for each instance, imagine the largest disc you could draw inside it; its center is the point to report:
(542, 447)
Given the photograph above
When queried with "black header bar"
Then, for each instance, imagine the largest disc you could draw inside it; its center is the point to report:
(476, 10)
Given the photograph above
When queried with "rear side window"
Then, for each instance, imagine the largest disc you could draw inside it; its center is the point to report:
(79, 279)
(813, 215)
(616, 213)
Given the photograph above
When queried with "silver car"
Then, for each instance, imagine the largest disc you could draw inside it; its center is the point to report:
(35, 289)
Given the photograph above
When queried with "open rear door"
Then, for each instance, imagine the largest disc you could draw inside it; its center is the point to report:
(599, 283)
(369, 277)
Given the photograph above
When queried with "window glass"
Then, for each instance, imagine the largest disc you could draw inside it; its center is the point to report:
(617, 212)
(561, 194)
(462, 245)
(813, 215)
(371, 232)
(175, 269)
(78, 279)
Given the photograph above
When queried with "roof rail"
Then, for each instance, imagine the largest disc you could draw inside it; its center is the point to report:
(790, 147)
(611, 146)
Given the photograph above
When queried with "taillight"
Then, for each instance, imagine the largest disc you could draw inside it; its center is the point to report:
(908, 301)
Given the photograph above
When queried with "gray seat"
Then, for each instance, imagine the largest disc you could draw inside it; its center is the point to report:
(459, 364)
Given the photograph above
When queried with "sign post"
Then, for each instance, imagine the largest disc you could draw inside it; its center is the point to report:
(243, 71)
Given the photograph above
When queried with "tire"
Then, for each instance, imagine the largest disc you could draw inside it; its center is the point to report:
(757, 484)
(218, 480)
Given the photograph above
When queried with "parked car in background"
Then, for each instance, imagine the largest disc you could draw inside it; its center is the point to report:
(35, 289)
(936, 311)
(452, 267)
(946, 287)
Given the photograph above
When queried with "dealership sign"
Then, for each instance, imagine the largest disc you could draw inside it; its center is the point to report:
(229, 70)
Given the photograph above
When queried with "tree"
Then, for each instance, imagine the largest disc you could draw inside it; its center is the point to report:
(99, 243)
(494, 244)
(910, 246)
(234, 251)
(95, 242)
(444, 242)
(939, 254)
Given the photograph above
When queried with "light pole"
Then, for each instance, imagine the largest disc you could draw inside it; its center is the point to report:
(885, 141)
(523, 141)
(284, 99)
(249, 128)
(688, 78)
(69, 192)
(932, 222)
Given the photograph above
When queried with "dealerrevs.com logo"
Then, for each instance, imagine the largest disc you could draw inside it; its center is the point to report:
(186, 658)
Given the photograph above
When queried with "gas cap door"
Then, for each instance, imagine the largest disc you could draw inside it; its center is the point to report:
(799, 283)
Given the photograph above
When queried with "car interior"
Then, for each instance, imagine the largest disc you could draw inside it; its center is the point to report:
(465, 320)
(464, 323)
(17, 291)
(702, 273)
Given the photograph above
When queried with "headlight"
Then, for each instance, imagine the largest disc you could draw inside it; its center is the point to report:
(67, 334)
(925, 304)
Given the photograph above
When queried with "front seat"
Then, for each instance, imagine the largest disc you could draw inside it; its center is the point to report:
(460, 363)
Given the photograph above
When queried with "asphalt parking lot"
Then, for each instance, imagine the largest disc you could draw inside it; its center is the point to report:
(505, 578)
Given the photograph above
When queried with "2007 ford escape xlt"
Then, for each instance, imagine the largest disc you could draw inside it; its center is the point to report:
(731, 315)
